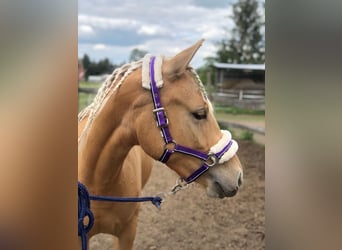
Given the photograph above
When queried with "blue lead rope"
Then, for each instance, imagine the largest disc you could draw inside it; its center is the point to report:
(84, 211)
(84, 208)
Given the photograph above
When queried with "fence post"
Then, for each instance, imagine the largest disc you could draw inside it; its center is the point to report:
(240, 94)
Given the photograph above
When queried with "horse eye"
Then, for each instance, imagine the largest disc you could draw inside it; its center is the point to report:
(199, 115)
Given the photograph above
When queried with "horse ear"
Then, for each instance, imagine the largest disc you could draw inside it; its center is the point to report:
(176, 66)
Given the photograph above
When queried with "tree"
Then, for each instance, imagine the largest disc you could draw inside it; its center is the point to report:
(247, 44)
(86, 65)
(137, 54)
(205, 69)
(103, 66)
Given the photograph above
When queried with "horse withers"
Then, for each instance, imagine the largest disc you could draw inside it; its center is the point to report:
(119, 139)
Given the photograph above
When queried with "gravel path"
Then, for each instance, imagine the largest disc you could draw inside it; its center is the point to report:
(191, 220)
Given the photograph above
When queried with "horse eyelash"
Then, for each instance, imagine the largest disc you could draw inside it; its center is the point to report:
(200, 115)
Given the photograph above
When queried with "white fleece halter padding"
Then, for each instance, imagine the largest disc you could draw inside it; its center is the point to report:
(226, 137)
(157, 71)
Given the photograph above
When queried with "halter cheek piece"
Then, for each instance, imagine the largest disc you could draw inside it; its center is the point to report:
(219, 153)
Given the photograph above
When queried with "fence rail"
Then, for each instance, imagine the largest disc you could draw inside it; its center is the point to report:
(242, 94)
(243, 98)
(87, 90)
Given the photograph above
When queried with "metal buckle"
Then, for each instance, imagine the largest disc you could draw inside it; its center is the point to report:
(156, 111)
(212, 160)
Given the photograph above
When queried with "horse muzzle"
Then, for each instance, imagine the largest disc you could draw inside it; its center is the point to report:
(225, 187)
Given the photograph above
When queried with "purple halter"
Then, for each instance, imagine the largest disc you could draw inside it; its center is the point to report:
(208, 160)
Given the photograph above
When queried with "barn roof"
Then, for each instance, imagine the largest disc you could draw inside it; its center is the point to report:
(239, 66)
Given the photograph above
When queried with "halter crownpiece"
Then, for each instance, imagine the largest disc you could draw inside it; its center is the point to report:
(221, 152)
(157, 71)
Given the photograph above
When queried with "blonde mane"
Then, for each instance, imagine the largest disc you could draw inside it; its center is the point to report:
(112, 83)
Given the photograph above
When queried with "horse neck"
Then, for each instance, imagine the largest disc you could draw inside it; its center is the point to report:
(109, 139)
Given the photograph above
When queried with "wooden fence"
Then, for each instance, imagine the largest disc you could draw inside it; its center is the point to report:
(242, 98)
(242, 94)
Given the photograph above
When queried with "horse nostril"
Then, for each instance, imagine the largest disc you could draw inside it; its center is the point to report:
(240, 180)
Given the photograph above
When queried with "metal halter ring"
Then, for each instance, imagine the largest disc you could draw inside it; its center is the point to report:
(173, 144)
(212, 160)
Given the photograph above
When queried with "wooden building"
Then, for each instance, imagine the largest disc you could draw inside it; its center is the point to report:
(239, 85)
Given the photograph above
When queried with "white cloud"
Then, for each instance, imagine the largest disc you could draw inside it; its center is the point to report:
(105, 22)
(117, 54)
(99, 46)
(151, 30)
(212, 33)
(85, 30)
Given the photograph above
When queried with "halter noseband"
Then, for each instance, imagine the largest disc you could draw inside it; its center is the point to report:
(208, 159)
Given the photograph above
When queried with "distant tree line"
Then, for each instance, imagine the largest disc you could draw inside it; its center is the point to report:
(105, 66)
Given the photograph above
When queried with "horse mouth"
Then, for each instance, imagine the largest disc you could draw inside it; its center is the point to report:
(224, 193)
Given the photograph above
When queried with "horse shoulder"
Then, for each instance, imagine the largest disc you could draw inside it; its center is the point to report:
(140, 163)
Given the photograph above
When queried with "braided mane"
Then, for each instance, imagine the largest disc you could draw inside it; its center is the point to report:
(111, 84)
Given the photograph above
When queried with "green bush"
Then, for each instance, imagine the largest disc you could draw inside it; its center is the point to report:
(247, 135)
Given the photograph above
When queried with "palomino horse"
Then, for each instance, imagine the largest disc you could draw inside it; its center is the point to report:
(119, 139)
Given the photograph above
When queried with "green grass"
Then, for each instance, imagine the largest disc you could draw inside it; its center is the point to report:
(237, 111)
(84, 100)
(246, 117)
(247, 135)
(89, 85)
(240, 134)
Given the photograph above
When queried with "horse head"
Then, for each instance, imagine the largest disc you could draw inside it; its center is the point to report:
(187, 136)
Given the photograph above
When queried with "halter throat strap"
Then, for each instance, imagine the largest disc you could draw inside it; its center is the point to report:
(208, 160)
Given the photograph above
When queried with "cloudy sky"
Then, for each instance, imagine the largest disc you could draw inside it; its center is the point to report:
(112, 28)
